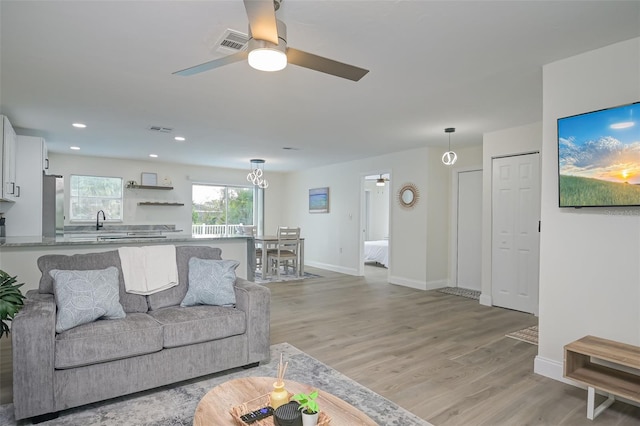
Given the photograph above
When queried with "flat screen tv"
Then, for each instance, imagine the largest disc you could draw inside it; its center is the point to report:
(599, 158)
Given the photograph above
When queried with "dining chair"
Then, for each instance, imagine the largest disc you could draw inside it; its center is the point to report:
(252, 231)
(286, 252)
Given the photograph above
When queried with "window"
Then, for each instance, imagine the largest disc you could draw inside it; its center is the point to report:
(217, 210)
(89, 194)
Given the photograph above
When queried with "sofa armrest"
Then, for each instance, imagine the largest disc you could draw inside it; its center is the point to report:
(33, 342)
(255, 301)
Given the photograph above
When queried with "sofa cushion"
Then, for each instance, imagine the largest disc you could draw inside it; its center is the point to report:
(101, 341)
(196, 324)
(175, 295)
(85, 296)
(83, 262)
(211, 282)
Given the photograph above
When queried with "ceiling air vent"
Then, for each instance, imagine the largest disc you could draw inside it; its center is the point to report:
(160, 129)
(232, 41)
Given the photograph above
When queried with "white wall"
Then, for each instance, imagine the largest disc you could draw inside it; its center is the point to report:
(589, 273)
(517, 140)
(333, 239)
(182, 177)
(379, 207)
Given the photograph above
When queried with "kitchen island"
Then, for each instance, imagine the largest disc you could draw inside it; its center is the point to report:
(19, 255)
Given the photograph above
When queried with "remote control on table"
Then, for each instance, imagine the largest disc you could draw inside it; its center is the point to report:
(259, 414)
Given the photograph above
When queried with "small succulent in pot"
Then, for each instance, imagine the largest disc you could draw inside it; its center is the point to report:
(11, 300)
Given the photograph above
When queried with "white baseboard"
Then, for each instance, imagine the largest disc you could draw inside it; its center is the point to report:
(549, 368)
(419, 285)
(432, 285)
(334, 268)
(485, 300)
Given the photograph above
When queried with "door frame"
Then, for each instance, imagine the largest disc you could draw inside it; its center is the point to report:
(453, 241)
(362, 218)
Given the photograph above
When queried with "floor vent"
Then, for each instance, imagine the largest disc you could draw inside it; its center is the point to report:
(160, 129)
(232, 41)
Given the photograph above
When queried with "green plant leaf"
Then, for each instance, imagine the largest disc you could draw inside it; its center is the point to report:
(11, 300)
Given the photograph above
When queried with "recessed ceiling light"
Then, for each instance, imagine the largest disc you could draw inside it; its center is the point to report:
(79, 125)
(75, 148)
(180, 138)
(153, 155)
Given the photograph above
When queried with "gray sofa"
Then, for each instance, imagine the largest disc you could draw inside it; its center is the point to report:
(157, 343)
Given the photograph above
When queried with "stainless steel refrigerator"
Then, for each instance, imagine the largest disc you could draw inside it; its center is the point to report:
(52, 205)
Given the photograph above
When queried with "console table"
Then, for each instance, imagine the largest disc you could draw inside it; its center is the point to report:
(583, 363)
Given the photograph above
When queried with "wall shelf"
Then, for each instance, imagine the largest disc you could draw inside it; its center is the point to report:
(149, 187)
(153, 203)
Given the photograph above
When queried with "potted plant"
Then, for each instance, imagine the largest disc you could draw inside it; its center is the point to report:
(11, 300)
(308, 406)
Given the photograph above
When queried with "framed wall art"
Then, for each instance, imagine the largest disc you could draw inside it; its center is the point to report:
(149, 179)
(319, 200)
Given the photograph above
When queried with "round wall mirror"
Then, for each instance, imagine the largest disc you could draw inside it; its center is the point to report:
(408, 195)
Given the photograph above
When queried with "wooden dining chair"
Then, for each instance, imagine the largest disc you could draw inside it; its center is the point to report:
(287, 251)
(252, 230)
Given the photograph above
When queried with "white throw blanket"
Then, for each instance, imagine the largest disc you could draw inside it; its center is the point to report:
(148, 269)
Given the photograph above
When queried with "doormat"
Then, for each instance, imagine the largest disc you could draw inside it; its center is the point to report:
(529, 335)
(283, 277)
(464, 292)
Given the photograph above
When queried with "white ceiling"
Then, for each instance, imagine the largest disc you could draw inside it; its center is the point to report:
(472, 65)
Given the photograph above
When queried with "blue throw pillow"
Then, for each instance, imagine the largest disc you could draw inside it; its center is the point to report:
(211, 282)
(84, 296)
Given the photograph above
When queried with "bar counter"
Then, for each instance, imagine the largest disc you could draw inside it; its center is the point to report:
(19, 255)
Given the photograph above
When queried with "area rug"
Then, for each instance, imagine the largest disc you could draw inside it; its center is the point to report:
(174, 405)
(283, 277)
(529, 335)
(464, 292)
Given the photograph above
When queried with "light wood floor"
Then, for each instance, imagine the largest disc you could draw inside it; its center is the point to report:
(442, 357)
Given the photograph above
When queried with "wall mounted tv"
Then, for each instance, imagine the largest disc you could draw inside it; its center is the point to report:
(599, 158)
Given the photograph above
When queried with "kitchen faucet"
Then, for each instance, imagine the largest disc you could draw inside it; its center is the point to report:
(98, 224)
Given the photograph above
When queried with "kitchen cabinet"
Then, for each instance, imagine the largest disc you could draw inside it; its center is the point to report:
(24, 218)
(9, 190)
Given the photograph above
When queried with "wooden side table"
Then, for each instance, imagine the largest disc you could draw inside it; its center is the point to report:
(581, 364)
(214, 408)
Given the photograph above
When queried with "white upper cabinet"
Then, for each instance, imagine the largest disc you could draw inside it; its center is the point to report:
(9, 190)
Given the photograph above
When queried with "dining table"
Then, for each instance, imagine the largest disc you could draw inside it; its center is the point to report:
(270, 242)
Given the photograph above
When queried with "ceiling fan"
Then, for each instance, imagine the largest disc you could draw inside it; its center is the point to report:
(268, 51)
(380, 181)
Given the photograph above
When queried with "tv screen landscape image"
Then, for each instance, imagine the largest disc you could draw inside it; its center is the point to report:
(599, 158)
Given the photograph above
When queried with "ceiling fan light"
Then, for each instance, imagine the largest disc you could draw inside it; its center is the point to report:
(267, 59)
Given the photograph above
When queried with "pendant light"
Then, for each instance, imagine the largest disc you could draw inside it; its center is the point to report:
(449, 158)
(256, 175)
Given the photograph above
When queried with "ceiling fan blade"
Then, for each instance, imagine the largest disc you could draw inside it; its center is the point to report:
(236, 57)
(327, 66)
(262, 20)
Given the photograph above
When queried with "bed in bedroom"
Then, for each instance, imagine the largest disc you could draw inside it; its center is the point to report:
(377, 251)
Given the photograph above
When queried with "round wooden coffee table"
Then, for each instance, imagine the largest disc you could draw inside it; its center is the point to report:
(215, 407)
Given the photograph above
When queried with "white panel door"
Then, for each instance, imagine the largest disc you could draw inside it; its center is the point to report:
(469, 265)
(515, 233)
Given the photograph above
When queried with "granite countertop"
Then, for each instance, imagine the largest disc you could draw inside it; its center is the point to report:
(71, 240)
(113, 234)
